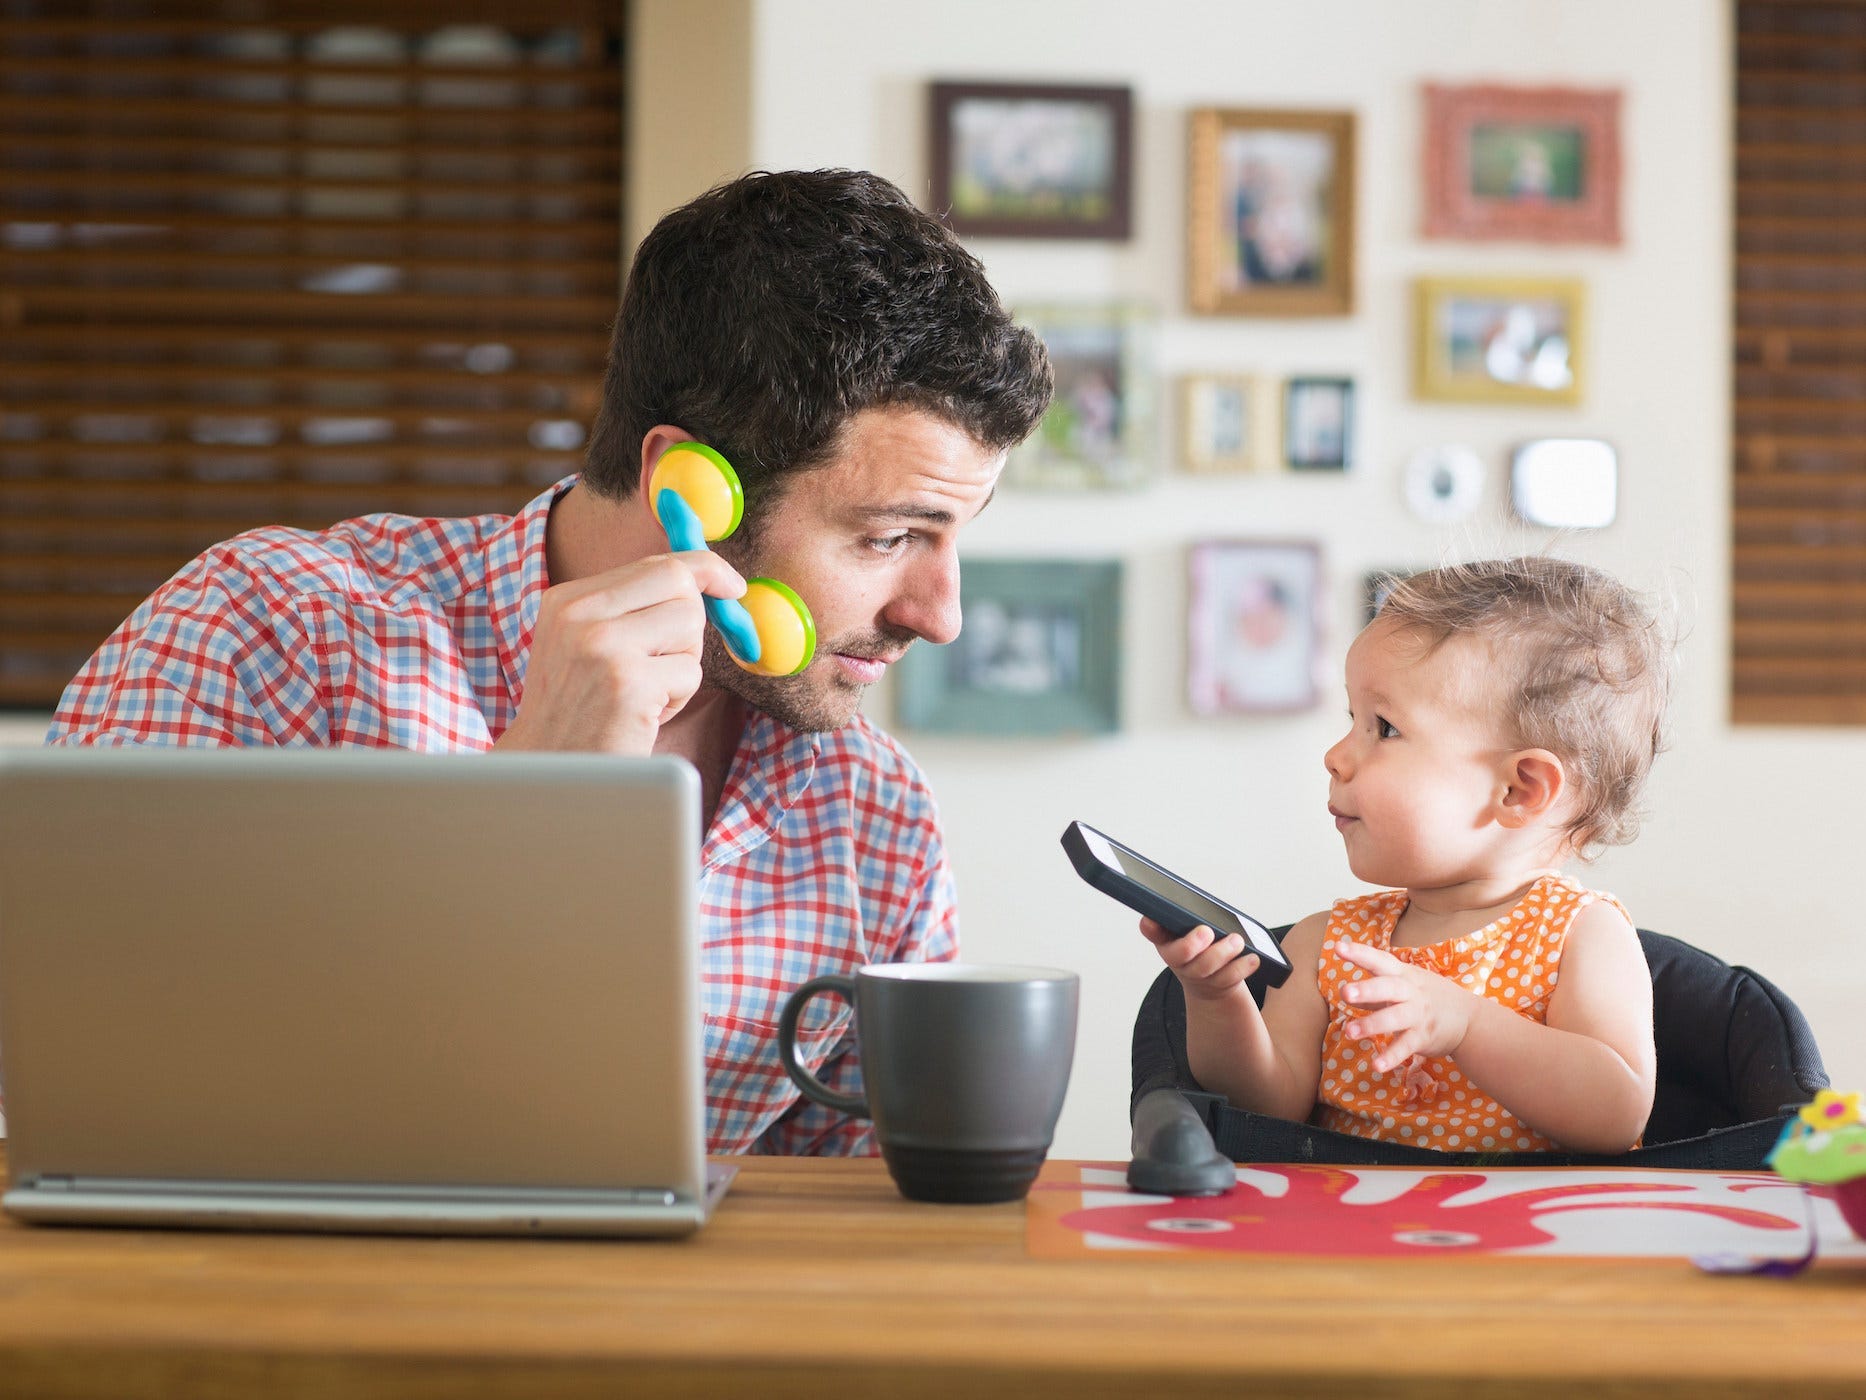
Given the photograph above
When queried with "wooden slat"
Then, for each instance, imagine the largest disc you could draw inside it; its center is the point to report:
(285, 499)
(121, 265)
(504, 123)
(182, 418)
(78, 456)
(1798, 709)
(101, 335)
(597, 193)
(96, 381)
(480, 314)
(126, 146)
(98, 72)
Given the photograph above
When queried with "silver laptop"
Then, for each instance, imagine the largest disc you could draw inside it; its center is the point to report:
(348, 990)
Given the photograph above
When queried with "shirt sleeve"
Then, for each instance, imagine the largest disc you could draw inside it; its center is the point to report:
(928, 932)
(216, 657)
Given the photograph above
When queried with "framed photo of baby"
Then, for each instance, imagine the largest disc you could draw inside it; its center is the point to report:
(1539, 164)
(1271, 213)
(1254, 626)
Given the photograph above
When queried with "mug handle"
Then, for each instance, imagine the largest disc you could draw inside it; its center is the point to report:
(814, 1088)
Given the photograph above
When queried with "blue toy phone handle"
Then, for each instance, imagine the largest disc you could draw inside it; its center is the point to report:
(728, 615)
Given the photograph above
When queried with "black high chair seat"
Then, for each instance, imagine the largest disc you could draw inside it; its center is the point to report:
(1735, 1056)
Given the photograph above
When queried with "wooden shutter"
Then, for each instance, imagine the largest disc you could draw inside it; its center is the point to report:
(1798, 649)
(327, 259)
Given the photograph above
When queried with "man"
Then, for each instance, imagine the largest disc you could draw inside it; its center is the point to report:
(849, 358)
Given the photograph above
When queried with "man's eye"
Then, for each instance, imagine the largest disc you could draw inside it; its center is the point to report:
(1386, 729)
(889, 544)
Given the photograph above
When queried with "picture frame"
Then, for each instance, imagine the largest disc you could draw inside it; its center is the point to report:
(1226, 424)
(1254, 626)
(1098, 432)
(1515, 340)
(1032, 160)
(1539, 164)
(1318, 423)
(1039, 653)
(1270, 212)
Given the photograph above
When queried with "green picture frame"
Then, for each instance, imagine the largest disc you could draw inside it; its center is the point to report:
(1039, 654)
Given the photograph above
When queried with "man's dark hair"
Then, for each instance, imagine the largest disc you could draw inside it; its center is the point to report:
(763, 314)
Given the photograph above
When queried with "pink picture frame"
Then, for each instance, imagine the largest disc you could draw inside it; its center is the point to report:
(1536, 164)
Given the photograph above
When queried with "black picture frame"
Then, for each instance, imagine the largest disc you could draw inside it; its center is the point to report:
(1109, 204)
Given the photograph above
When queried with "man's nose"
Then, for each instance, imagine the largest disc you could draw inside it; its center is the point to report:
(927, 603)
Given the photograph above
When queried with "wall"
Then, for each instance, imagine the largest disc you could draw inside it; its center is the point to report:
(1745, 850)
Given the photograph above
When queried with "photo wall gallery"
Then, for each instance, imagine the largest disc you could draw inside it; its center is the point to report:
(1270, 232)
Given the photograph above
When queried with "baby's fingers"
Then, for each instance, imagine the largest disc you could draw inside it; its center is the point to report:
(1377, 991)
(1215, 959)
(1387, 1022)
(1372, 959)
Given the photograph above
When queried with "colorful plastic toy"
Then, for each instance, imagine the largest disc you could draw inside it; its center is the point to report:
(1825, 1143)
(698, 500)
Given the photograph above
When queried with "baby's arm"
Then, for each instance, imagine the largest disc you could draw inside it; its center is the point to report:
(1584, 1079)
(1267, 1061)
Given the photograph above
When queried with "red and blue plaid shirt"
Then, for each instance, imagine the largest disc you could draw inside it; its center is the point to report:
(825, 853)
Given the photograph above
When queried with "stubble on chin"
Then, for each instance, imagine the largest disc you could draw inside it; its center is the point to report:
(813, 702)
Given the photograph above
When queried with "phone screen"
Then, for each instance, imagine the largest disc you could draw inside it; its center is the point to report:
(1146, 874)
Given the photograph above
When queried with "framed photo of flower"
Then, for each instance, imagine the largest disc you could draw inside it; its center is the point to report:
(1030, 160)
(1099, 428)
(1254, 638)
(1270, 217)
(1499, 339)
(1539, 164)
(1040, 653)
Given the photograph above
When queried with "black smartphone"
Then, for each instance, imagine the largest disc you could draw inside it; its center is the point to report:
(1177, 905)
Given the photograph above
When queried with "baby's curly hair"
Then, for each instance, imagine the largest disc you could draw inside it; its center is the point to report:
(1586, 665)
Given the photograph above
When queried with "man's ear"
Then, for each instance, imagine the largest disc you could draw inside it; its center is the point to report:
(1534, 782)
(656, 441)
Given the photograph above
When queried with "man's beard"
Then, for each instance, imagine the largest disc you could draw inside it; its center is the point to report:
(815, 700)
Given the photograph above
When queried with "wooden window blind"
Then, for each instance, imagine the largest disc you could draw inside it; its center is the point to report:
(1798, 640)
(321, 259)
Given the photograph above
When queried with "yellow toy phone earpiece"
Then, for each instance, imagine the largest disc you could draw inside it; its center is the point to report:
(698, 500)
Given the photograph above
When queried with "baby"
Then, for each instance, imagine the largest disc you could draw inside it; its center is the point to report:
(1502, 719)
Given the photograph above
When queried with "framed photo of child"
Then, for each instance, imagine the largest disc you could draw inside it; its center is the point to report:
(1031, 160)
(1539, 164)
(1254, 629)
(1270, 215)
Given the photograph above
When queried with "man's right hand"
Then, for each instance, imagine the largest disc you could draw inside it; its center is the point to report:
(616, 655)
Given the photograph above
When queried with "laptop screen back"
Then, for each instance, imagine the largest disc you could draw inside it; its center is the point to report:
(345, 967)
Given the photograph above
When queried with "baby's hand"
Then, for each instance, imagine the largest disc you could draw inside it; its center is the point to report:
(1418, 1011)
(1207, 966)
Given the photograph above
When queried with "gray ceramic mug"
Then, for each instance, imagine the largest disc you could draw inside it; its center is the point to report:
(963, 1065)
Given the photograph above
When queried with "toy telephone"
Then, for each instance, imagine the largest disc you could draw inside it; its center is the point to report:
(697, 499)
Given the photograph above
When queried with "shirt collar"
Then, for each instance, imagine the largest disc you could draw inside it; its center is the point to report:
(770, 771)
(516, 577)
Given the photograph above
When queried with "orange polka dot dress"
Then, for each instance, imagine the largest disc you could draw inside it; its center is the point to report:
(1428, 1102)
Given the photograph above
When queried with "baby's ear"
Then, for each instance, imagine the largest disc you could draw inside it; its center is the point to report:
(1534, 783)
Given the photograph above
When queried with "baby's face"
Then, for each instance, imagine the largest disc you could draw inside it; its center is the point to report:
(1413, 783)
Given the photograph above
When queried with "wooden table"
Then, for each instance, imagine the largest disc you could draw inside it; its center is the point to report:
(816, 1279)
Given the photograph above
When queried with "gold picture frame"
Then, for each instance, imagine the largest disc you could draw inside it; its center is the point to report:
(1270, 213)
(1515, 340)
(1227, 424)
